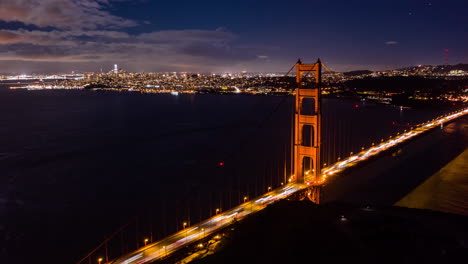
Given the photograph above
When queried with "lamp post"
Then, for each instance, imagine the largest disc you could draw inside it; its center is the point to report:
(99, 260)
(217, 210)
(146, 241)
(269, 188)
(184, 225)
(245, 199)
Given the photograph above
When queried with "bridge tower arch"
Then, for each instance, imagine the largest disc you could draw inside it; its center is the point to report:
(307, 127)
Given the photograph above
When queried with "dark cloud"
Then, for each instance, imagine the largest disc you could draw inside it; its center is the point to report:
(69, 14)
(28, 51)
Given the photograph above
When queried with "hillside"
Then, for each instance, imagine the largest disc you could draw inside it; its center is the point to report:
(302, 232)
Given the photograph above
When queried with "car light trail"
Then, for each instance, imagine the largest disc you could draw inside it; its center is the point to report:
(365, 154)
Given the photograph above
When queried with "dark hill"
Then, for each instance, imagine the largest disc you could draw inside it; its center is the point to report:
(302, 232)
(406, 84)
(439, 68)
(356, 73)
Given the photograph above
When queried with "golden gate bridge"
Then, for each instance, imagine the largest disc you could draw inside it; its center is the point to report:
(309, 175)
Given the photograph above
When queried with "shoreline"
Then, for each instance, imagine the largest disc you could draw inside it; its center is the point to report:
(444, 191)
(437, 104)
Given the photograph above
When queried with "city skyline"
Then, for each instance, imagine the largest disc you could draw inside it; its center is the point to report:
(146, 36)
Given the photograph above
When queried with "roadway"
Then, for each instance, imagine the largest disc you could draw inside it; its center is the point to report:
(192, 234)
(390, 143)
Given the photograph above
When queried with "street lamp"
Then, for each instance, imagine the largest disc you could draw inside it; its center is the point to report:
(146, 241)
(99, 260)
(185, 224)
(269, 188)
(245, 199)
(217, 210)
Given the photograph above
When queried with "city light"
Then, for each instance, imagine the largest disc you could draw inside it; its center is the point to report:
(177, 83)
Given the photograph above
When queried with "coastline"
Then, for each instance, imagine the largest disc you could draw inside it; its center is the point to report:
(445, 191)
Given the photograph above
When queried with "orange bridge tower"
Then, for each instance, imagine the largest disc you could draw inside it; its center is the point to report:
(307, 126)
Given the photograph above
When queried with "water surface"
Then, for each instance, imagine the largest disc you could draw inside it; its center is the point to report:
(76, 165)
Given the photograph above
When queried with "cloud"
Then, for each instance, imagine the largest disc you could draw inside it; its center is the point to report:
(263, 57)
(56, 38)
(175, 36)
(66, 14)
(84, 32)
(186, 50)
(392, 42)
(7, 37)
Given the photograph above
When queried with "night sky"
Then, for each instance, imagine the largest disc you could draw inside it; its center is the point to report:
(52, 36)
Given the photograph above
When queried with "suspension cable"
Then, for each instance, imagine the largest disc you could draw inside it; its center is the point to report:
(334, 75)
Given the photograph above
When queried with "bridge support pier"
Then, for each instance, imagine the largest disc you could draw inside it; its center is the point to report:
(311, 193)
